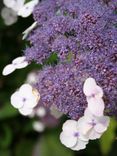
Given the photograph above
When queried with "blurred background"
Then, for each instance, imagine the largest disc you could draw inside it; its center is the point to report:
(18, 136)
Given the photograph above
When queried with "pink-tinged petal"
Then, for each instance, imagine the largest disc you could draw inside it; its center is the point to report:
(83, 127)
(96, 106)
(68, 139)
(8, 69)
(80, 145)
(16, 100)
(89, 86)
(70, 126)
(25, 111)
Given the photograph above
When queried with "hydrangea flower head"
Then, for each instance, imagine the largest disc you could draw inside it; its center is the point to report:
(72, 26)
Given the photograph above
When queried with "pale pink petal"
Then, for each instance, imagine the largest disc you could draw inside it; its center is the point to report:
(83, 126)
(89, 86)
(96, 106)
(68, 139)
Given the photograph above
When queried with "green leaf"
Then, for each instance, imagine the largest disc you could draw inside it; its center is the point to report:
(7, 111)
(5, 136)
(108, 138)
(24, 147)
(4, 153)
(50, 145)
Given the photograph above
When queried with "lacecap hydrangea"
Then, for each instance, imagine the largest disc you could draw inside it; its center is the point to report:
(87, 30)
(76, 26)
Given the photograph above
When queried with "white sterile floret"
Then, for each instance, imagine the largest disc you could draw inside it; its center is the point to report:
(25, 99)
(91, 126)
(18, 63)
(41, 112)
(32, 78)
(28, 30)
(38, 126)
(71, 137)
(9, 16)
(27, 8)
(94, 95)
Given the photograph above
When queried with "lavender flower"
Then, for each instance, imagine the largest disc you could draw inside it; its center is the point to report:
(78, 26)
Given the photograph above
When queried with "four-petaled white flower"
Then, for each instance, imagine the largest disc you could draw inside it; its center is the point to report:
(25, 99)
(94, 95)
(71, 137)
(28, 30)
(92, 126)
(23, 9)
(17, 63)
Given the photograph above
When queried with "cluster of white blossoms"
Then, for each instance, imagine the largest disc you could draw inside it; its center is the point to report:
(76, 134)
(14, 8)
(25, 99)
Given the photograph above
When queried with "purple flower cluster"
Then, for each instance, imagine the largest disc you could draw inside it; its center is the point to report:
(75, 26)
(62, 85)
(87, 30)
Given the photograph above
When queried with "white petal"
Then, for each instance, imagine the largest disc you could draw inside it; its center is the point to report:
(92, 134)
(28, 30)
(89, 86)
(41, 112)
(30, 102)
(98, 92)
(68, 139)
(31, 95)
(70, 125)
(18, 5)
(80, 145)
(102, 125)
(27, 9)
(25, 111)
(8, 69)
(38, 126)
(96, 106)
(20, 62)
(9, 3)
(25, 88)
(83, 127)
(99, 128)
(16, 100)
